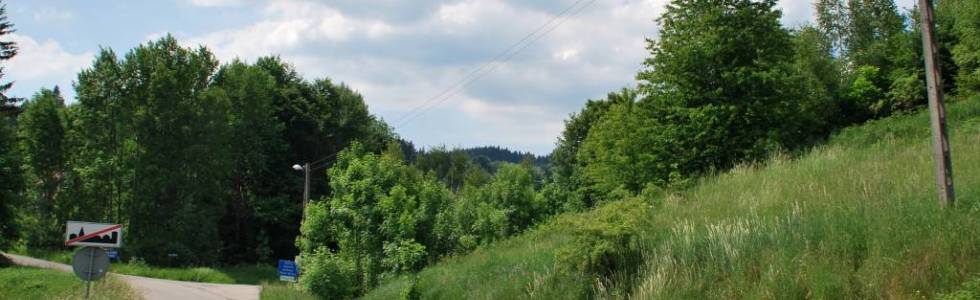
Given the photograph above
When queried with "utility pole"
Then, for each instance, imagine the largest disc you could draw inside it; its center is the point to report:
(937, 110)
(306, 186)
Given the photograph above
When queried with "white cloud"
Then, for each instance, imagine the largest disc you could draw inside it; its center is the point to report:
(287, 25)
(214, 3)
(42, 64)
(50, 14)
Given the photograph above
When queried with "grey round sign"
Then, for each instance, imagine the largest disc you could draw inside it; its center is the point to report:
(90, 263)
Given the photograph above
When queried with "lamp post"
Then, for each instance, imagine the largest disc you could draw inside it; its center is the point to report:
(306, 196)
(306, 181)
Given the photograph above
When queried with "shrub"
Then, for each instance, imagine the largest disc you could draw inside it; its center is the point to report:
(607, 242)
(328, 276)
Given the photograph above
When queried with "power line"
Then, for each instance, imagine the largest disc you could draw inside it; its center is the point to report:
(485, 68)
(491, 65)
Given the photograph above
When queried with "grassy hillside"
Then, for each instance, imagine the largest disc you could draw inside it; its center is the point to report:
(855, 218)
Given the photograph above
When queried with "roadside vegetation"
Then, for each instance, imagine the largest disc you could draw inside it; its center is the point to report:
(25, 283)
(748, 160)
(855, 218)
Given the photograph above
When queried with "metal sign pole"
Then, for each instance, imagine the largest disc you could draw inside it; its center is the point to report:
(91, 264)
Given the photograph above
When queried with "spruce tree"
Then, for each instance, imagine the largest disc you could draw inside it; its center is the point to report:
(8, 49)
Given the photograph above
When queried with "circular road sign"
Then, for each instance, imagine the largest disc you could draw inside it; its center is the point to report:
(90, 263)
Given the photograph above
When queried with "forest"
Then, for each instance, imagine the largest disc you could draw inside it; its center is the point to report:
(192, 155)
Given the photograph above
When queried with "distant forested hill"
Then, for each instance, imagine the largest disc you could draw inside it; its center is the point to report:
(493, 153)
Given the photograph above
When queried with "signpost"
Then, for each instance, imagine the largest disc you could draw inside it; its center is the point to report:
(93, 234)
(113, 254)
(92, 263)
(287, 270)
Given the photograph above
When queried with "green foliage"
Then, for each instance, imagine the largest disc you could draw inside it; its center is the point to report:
(103, 148)
(881, 50)
(815, 76)
(8, 49)
(42, 138)
(193, 159)
(256, 142)
(412, 292)
(865, 92)
(817, 226)
(965, 29)
(11, 183)
(736, 107)
(380, 219)
(607, 242)
(329, 276)
(180, 128)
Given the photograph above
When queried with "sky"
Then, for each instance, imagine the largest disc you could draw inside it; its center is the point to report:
(407, 58)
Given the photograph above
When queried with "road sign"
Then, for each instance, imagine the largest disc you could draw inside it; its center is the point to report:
(113, 254)
(90, 263)
(93, 234)
(287, 270)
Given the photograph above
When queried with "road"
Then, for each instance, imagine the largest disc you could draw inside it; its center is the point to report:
(161, 289)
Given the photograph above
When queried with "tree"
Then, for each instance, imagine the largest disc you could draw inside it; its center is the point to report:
(105, 146)
(256, 192)
(42, 138)
(961, 22)
(381, 218)
(569, 191)
(8, 49)
(715, 93)
(11, 180)
(816, 76)
(180, 128)
(873, 35)
(320, 119)
(11, 183)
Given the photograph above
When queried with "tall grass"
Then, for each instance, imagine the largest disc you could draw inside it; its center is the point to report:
(855, 218)
(23, 283)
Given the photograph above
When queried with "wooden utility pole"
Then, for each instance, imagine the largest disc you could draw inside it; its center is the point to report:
(937, 110)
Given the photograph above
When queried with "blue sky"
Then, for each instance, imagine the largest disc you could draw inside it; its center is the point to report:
(398, 54)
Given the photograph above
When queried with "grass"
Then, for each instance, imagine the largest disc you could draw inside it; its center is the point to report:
(280, 291)
(243, 274)
(266, 276)
(25, 283)
(240, 274)
(857, 217)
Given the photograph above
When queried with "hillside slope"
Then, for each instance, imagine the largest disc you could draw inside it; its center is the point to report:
(855, 218)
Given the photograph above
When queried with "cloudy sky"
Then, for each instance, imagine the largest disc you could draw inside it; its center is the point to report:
(403, 56)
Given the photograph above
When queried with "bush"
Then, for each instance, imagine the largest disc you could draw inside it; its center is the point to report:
(403, 256)
(608, 242)
(328, 276)
(412, 291)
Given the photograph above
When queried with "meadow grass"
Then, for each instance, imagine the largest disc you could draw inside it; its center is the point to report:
(24, 283)
(241, 274)
(238, 274)
(857, 217)
(282, 291)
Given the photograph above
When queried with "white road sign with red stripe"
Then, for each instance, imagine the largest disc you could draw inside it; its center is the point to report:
(93, 234)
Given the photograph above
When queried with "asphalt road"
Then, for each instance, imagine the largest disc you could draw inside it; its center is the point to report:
(161, 289)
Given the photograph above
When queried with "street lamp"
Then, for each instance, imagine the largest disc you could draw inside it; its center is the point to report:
(306, 185)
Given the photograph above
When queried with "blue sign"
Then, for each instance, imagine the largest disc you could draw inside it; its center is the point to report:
(113, 254)
(287, 270)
